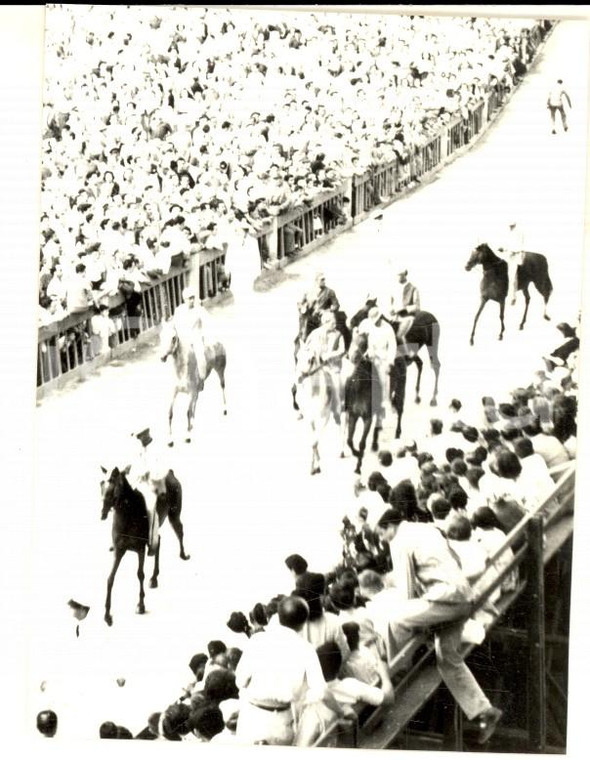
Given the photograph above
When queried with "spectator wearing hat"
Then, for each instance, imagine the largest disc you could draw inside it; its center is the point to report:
(436, 590)
(230, 711)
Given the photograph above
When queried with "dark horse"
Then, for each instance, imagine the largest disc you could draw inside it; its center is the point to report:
(425, 331)
(494, 283)
(130, 526)
(363, 397)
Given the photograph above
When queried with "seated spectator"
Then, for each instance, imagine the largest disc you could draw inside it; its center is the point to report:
(230, 711)
(317, 716)
(535, 476)
(204, 722)
(219, 685)
(108, 730)
(176, 722)
(79, 294)
(364, 663)
(320, 626)
(487, 530)
(472, 556)
(342, 598)
(380, 606)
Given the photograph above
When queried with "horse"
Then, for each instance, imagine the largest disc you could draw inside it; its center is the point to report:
(131, 529)
(494, 283)
(317, 400)
(187, 378)
(309, 321)
(424, 331)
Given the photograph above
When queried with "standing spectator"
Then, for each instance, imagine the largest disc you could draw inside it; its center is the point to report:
(555, 102)
(436, 590)
(79, 293)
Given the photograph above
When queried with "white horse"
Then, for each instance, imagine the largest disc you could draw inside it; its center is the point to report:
(186, 372)
(317, 400)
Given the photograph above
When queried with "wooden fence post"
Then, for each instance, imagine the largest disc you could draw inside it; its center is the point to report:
(537, 696)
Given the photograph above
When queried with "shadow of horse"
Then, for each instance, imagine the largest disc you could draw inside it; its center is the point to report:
(494, 284)
(130, 528)
(186, 374)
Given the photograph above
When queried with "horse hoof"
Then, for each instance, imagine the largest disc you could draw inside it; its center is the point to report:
(187, 440)
(418, 399)
(225, 412)
(171, 443)
(501, 337)
(342, 455)
(471, 342)
(547, 317)
(140, 609)
(108, 619)
(315, 471)
(520, 327)
(434, 402)
(184, 556)
(154, 583)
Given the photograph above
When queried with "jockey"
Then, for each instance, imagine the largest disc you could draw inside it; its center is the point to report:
(381, 348)
(191, 323)
(147, 474)
(321, 297)
(405, 301)
(512, 249)
(325, 347)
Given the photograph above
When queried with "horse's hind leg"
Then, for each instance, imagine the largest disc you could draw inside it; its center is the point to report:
(190, 414)
(527, 300)
(178, 528)
(419, 364)
(170, 416)
(141, 576)
(477, 316)
(363, 442)
(502, 308)
(220, 369)
(156, 573)
(111, 579)
(434, 360)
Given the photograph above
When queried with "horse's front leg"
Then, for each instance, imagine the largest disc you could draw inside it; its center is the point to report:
(377, 429)
(477, 316)
(190, 414)
(527, 299)
(420, 366)
(156, 573)
(178, 529)
(170, 416)
(221, 374)
(141, 577)
(502, 308)
(436, 368)
(111, 579)
(343, 433)
(362, 444)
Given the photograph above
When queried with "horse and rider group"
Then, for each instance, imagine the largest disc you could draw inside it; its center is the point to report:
(347, 369)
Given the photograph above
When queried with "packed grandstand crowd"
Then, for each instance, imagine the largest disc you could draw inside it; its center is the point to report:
(151, 153)
(473, 478)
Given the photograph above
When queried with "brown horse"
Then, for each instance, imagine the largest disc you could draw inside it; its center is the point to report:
(130, 526)
(186, 374)
(494, 284)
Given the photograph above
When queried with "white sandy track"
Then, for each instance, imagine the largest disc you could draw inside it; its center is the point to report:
(248, 497)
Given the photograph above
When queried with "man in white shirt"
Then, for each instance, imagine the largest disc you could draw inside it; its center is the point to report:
(381, 349)
(191, 322)
(555, 102)
(277, 670)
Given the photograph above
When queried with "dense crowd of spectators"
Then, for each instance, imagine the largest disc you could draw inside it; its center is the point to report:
(321, 649)
(153, 151)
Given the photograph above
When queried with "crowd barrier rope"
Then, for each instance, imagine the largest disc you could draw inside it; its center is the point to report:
(66, 346)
